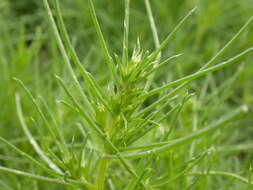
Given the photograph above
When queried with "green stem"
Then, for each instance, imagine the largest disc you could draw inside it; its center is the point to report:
(40, 178)
(223, 174)
(102, 173)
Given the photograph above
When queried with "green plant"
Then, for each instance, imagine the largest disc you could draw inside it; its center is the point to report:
(116, 120)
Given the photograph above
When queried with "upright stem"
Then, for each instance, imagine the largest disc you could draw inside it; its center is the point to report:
(156, 40)
(102, 173)
(126, 33)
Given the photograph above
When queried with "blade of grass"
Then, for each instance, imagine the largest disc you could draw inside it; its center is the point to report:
(66, 41)
(155, 37)
(137, 183)
(175, 117)
(223, 174)
(102, 173)
(126, 33)
(53, 129)
(236, 148)
(197, 74)
(32, 140)
(138, 132)
(181, 141)
(160, 101)
(148, 129)
(222, 50)
(152, 24)
(107, 55)
(188, 168)
(165, 62)
(227, 45)
(224, 87)
(23, 154)
(68, 105)
(45, 179)
(168, 38)
(56, 126)
(64, 54)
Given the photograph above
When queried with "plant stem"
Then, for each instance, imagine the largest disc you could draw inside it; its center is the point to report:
(32, 141)
(69, 182)
(223, 174)
(32, 176)
(102, 173)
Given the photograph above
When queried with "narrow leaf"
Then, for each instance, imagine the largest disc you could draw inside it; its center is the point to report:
(198, 74)
(184, 140)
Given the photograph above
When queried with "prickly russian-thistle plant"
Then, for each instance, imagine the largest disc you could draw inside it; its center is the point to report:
(116, 119)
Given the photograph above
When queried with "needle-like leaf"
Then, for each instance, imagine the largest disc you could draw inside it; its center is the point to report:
(175, 143)
(198, 74)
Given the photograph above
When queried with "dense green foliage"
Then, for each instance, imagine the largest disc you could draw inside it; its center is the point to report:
(151, 94)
